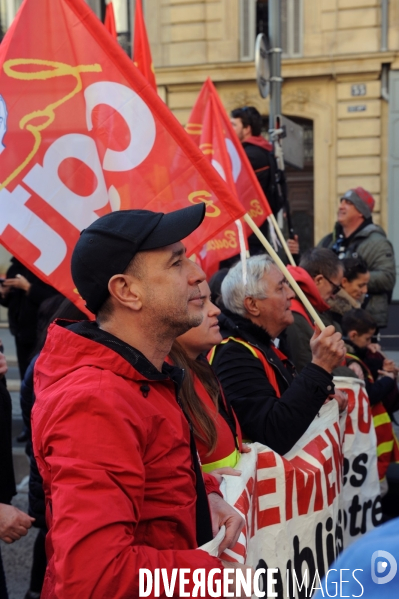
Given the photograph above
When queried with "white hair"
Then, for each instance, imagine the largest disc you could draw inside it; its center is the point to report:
(233, 289)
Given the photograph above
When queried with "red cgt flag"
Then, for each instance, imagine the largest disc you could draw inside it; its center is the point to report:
(210, 128)
(81, 134)
(141, 47)
(109, 21)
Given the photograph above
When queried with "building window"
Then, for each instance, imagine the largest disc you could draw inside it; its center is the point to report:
(3, 18)
(8, 10)
(123, 10)
(291, 28)
(254, 19)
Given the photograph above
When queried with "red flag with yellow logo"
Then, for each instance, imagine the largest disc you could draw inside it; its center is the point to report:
(210, 128)
(81, 134)
(109, 21)
(141, 47)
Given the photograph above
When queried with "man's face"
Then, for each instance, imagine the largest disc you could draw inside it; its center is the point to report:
(328, 287)
(168, 285)
(241, 131)
(348, 215)
(207, 334)
(274, 311)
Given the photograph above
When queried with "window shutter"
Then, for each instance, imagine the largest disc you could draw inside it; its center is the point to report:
(247, 29)
(291, 28)
(297, 26)
(285, 32)
(95, 5)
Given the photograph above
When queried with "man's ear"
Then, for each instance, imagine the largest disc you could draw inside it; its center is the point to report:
(344, 281)
(318, 279)
(247, 131)
(126, 290)
(251, 306)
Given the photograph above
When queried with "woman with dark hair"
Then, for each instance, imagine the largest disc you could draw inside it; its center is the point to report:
(353, 288)
(50, 311)
(216, 429)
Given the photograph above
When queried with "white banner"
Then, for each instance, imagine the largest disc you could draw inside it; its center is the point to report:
(360, 501)
(303, 508)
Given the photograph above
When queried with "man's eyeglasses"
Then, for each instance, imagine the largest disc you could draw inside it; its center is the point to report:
(335, 287)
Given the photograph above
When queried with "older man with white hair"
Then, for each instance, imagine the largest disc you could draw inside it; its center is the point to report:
(273, 404)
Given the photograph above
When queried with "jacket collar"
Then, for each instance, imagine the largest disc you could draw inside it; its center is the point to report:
(234, 325)
(309, 287)
(91, 330)
(343, 302)
(366, 223)
(260, 141)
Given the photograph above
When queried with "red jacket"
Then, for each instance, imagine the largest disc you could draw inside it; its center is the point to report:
(309, 287)
(228, 448)
(113, 449)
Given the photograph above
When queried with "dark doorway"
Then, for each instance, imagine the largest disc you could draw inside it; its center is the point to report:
(300, 184)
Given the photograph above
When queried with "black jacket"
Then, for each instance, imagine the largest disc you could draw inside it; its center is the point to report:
(276, 422)
(383, 388)
(23, 307)
(7, 481)
(264, 164)
(36, 493)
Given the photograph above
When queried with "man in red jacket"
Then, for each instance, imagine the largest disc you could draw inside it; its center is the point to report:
(123, 486)
(319, 275)
(247, 123)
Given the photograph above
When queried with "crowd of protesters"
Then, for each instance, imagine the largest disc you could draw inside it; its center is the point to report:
(137, 414)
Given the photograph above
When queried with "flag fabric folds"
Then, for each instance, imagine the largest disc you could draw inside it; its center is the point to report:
(209, 126)
(141, 47)
(109, 21)
(81, 134)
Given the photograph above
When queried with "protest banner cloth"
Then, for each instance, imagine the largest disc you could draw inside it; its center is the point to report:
(360, 501)
(141, 47)
(109, 21)
(298, 507)
(83, 133)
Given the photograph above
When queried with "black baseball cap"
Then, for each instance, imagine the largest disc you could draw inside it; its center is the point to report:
(107, 246)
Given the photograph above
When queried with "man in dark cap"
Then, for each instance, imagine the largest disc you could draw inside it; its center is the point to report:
(123, 485)
(355, 235)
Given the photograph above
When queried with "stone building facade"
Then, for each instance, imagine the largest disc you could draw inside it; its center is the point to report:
(340, 62)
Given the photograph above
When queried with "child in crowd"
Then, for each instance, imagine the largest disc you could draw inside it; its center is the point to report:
(379, 374)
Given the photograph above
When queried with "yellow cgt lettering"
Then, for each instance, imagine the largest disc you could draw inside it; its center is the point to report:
(56, 69)
(256, 209)
(229, 241)
(194, 128)
(200, 196)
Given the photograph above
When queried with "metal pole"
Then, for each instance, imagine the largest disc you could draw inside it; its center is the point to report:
(274, 8)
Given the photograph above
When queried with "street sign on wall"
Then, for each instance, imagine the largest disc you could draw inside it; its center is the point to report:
(293, 145)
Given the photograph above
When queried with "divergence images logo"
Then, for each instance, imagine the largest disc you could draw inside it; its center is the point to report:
(379, 564)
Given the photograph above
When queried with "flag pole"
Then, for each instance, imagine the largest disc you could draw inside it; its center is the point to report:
(285, 271)
(281, 237)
